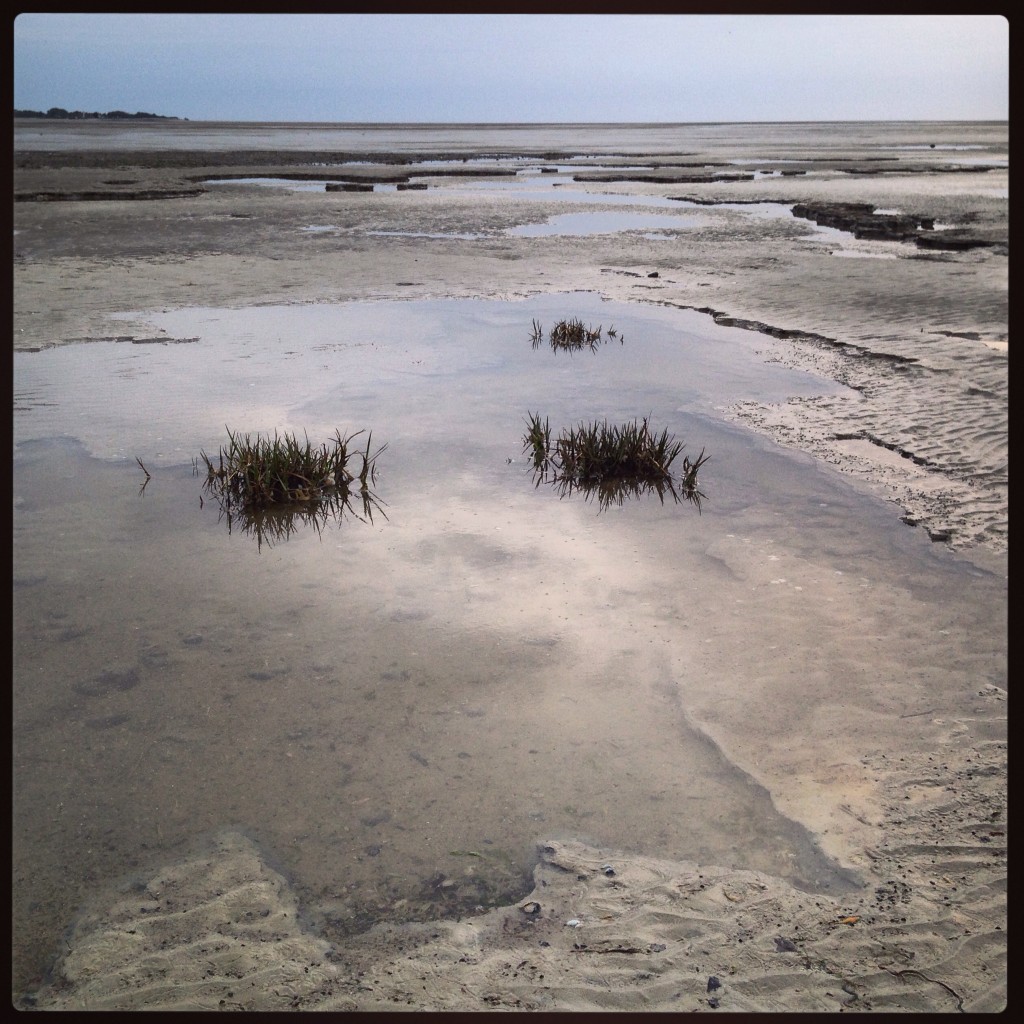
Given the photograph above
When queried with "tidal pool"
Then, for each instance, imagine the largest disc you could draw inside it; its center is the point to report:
(536, 186)
(398, 709)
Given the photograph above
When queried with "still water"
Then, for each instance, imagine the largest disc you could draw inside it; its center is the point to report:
(396, 708)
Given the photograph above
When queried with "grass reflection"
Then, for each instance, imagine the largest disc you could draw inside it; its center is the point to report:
(572, 336)
(275, 524)
(270, 487)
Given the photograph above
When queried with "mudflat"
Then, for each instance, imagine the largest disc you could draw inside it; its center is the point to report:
(888, 276)
(893, 319)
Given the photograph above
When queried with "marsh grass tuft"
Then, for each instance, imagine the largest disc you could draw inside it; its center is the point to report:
(613, 462)
(142, 489)
(572, 335)
(538, 441)
(269, 485)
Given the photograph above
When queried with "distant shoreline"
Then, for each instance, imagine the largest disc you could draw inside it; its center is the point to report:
(60, 114)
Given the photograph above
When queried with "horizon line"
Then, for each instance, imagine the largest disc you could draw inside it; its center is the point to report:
(534, 124)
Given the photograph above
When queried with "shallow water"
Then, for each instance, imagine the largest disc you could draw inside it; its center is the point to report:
(537, 187)
(398, 709)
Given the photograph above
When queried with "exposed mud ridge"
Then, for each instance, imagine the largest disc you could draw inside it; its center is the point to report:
(359, 180)
(705, 201)
(787, 334)
(864, 222)
(918, 168)
(863, 435)
(366, 176)
(85, 197)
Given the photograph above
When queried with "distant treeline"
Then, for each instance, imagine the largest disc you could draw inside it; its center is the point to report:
(59, 113)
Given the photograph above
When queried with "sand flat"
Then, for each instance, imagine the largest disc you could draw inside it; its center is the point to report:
(858, 682)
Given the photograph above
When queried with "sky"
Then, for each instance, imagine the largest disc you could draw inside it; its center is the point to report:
(506, 68)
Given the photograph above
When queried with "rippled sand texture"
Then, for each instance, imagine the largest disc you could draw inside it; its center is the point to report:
(599, 932)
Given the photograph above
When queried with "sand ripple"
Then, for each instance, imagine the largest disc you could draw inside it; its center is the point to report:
(601, 931)
(932, 434)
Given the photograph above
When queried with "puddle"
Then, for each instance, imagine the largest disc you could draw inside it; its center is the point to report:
(271, 367)
(535, 190)
(534, 177)
(599, 223)
(534, 185)
(488, 666)
(291, 184)
(602, 224)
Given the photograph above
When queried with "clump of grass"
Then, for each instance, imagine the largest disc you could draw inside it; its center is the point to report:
(142, 489)
(612, 462)
(269, 485)
(257, 472)
(538, 441)
(571, 336)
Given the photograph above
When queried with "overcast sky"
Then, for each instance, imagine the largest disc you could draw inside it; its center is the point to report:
(516, 67)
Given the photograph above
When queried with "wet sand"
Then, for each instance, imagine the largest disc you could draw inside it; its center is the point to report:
(892, 757)
(922, 337)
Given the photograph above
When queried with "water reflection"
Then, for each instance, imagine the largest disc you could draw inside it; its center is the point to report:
(572, 336)
(615, 491)
(489, 667)
(276, 524)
